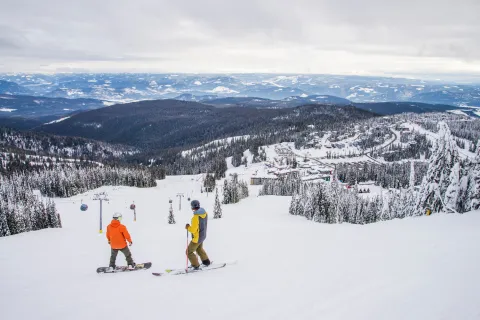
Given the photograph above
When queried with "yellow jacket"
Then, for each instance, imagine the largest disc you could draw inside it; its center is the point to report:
(198, 227)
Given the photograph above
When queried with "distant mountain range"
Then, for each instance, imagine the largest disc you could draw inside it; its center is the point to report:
(191, 87)
(8, 87)
(42, 108)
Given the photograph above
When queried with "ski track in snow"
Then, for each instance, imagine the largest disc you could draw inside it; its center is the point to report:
(432, 136)
(288, 267)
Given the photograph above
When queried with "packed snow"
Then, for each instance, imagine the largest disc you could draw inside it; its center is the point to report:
(283, 267)
(58, 120)
(460, 112)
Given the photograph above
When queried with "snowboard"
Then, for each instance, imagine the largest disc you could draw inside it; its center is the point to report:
(212, 266)
(139, 266)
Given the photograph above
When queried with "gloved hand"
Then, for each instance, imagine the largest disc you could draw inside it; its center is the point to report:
(187, 226)
(130, 244)
(108, 242)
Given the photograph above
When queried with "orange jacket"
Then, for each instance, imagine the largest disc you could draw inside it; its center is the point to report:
(117, 235)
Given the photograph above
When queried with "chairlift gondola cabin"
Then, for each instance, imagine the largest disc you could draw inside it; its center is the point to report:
(83, 207)
(132, 206)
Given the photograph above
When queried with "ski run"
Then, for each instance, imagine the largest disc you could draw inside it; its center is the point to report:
(286, 266)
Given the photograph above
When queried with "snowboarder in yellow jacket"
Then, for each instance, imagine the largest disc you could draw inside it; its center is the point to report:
(198, 229)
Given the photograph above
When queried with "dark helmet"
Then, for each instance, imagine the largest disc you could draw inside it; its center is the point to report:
(195, 204)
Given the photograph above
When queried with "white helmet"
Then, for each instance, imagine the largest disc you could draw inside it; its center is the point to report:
(117, 216)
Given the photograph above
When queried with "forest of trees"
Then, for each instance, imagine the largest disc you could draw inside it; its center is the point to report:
(42, 144)
(389, 175)
(21, 210)
(449, 184)
(234, 190)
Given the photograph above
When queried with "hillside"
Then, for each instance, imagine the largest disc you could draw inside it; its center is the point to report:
(289, 102)
(389, 108)
(162, 124)
(19, 123)
(43, 144)
(283, 267)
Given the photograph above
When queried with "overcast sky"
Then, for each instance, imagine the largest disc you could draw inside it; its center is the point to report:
(372, 37)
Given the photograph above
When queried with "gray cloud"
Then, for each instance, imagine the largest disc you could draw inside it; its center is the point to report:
(341, 36)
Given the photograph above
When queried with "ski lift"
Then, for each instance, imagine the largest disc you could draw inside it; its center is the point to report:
(132, 206)
(83, 207)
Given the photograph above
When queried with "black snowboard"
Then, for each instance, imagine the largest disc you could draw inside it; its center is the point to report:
(139, 266)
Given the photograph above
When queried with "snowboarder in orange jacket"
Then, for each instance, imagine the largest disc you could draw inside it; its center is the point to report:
(117, 235)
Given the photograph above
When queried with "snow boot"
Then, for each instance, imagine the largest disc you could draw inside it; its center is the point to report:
(192, 268)
(206, 263)
(131, 266)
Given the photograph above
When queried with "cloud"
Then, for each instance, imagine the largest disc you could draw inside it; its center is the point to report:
(340, 36)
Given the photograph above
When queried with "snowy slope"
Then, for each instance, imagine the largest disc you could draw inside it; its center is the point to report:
(287, 267)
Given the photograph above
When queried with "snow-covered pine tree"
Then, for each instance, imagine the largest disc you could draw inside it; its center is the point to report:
(476, 176)
(411, 183)
(226, 192)
(237, 159)
(387, 203)
(234, 196)
(171, 217)
(217, 210)
(444, 157)
(209, 182)
(4, 229)
(453, 189)
(53, 219)
(294, 205)
(333, 191)
(467, 192)
(243, 190)
(309, 208)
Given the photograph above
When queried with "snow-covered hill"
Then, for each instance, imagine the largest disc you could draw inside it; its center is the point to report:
(286, 267)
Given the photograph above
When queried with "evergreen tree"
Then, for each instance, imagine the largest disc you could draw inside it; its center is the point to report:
(4, 229)
(437, 179)
(476, 176)
(467, 193)
(209, 182)
(171, 217)
(53, 218)
(226, 192)
(294, 204)
(411, 182)
(237, 159)
(453, 189)
(217, 211)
